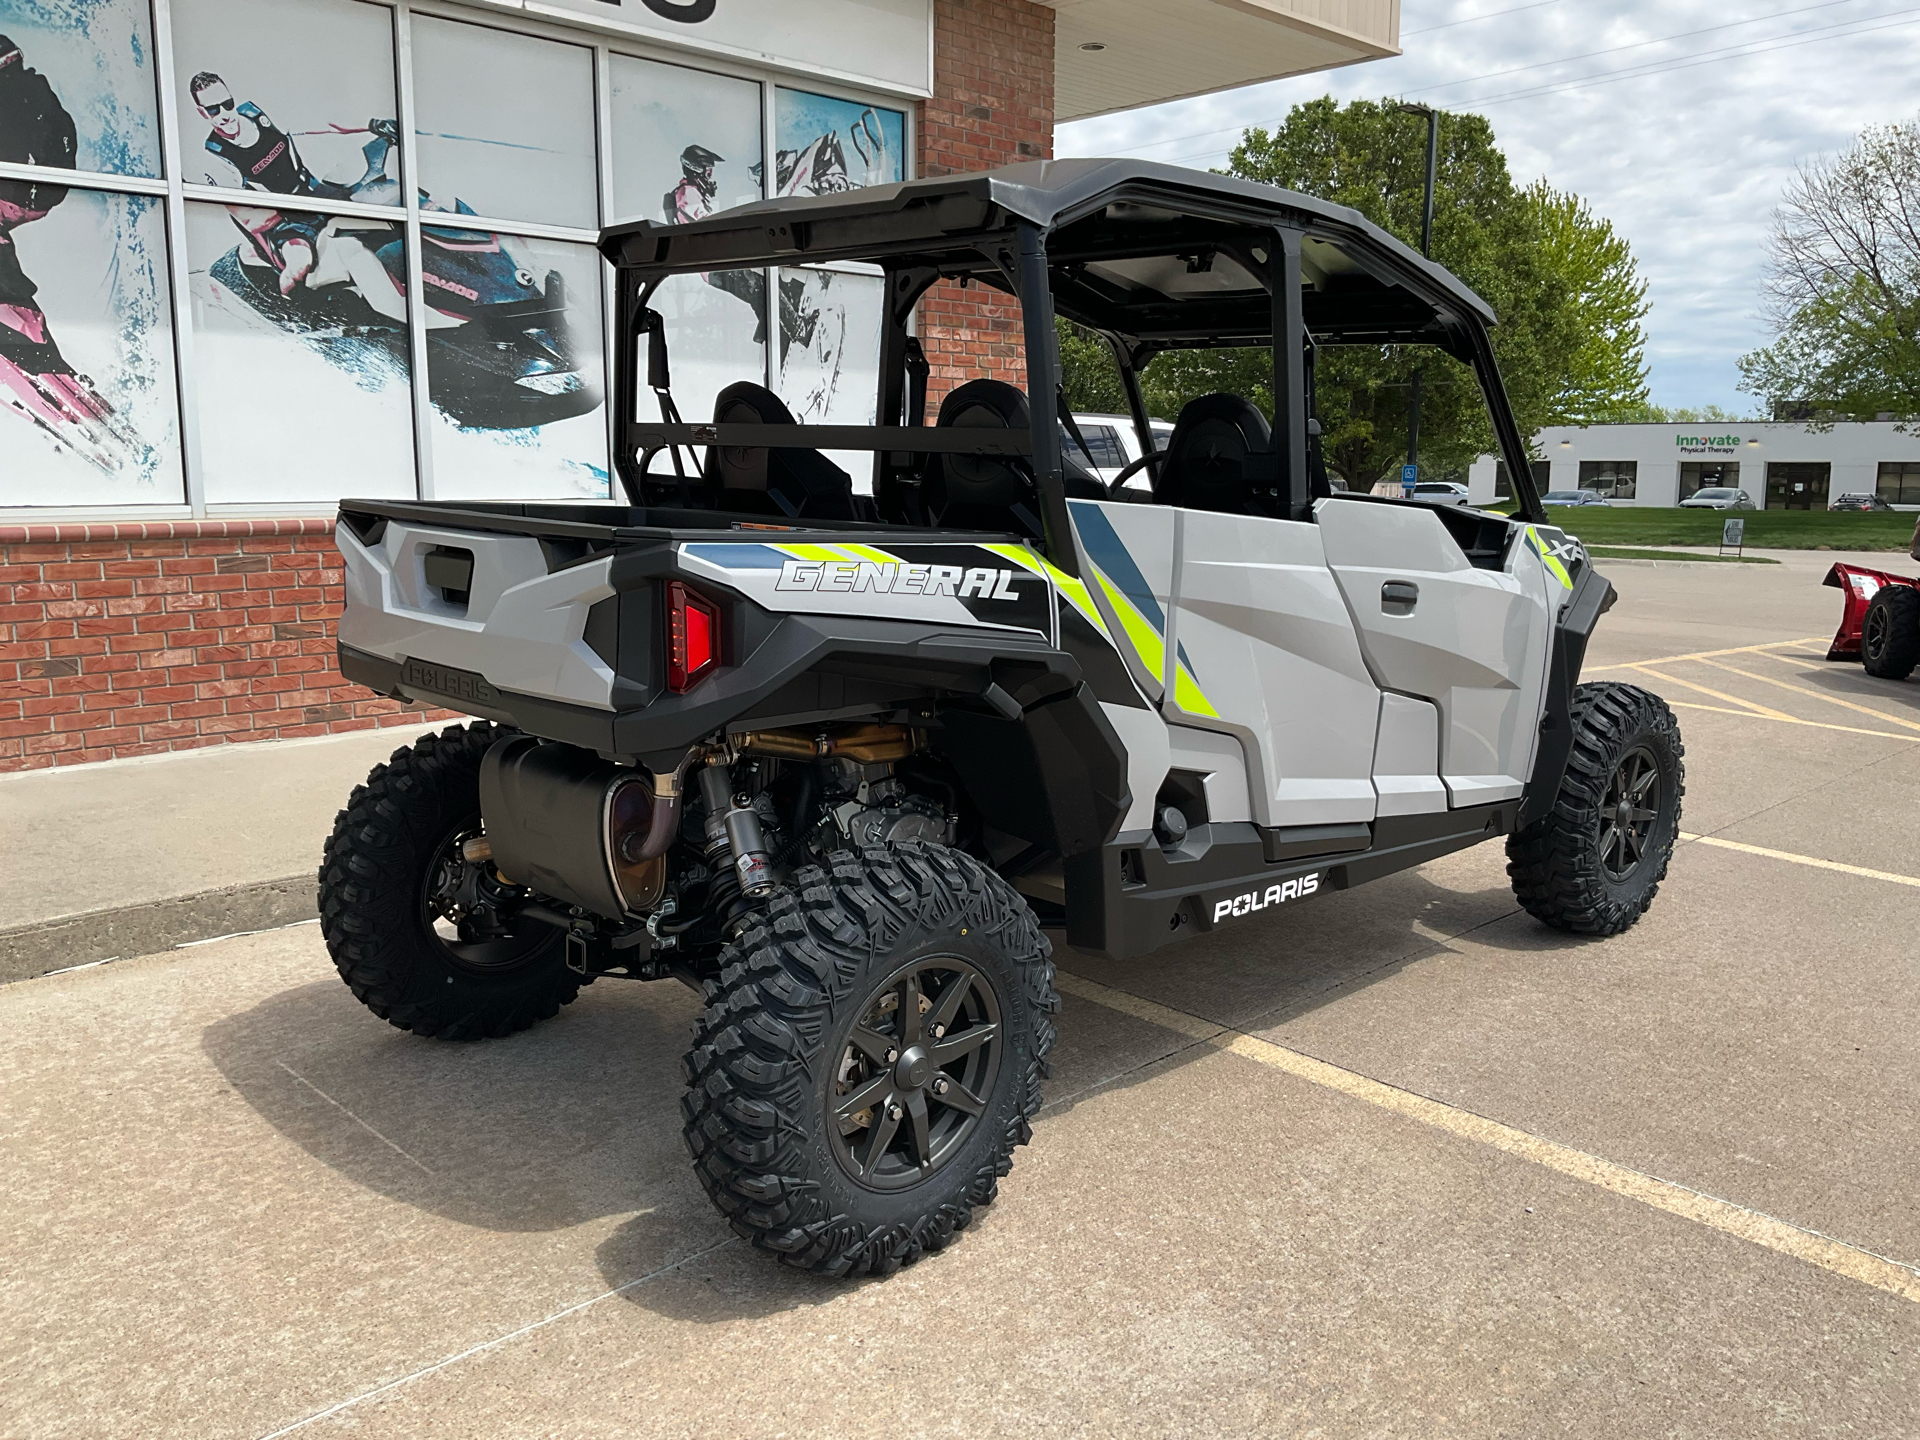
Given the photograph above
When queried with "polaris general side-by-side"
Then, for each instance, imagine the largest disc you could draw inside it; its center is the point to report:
(837, 760)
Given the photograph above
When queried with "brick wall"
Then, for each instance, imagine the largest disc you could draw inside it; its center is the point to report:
(133, 639)
(992, 105)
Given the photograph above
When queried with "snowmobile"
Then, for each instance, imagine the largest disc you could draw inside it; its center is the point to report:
(501, 353)
(837, 774)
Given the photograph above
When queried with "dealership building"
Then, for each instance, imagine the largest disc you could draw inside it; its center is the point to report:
(1780, 466)
(258, 257)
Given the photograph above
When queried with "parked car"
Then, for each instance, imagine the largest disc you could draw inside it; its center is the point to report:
(1573, 497)
(1859, 502)
(1443, 490)
(1113, 445)
(1719, 497)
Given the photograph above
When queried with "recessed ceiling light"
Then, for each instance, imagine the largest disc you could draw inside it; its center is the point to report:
(1093, 45)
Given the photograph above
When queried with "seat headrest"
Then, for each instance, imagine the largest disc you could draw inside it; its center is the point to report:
(983, 479)
(736, 467)
(1205, 465)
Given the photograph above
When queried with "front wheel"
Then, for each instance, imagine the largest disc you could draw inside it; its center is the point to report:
(1890, 633)
(1593, 863)
(870, 1057)
(427, 940)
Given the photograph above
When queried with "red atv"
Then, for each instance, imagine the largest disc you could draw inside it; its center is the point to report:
(1881, 625)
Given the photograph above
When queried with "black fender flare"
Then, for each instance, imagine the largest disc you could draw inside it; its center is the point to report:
(1593, 595)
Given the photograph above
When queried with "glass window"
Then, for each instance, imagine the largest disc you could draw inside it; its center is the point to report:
(76, 86)
(830, 354)
(1899, 482)
(1797, 484)
(505, 123)
(1614, 479)
(301, 104)
(1698, 475)
(1103, 443)
(302, 380)
(513, 366)
(828, 145)
(1503, 487)
(685, 143)
(716, 334)
(88, 414)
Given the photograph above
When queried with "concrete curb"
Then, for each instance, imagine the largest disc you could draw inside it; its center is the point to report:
(31, 950)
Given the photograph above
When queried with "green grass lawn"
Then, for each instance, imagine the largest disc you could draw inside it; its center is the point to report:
(1628, 552)
(1766, 529)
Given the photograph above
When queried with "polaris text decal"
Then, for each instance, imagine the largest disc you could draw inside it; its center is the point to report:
(897, 578)
(1259, 900)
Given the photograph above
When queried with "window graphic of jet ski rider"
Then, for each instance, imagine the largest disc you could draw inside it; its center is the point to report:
(256, 154)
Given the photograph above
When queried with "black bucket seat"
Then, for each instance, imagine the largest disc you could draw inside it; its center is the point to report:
(1205, 467)
(795, 483)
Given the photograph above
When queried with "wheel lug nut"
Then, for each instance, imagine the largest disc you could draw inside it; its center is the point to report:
(939, 1032)
(892, 1055)
(894, 1112)
(940, 1086)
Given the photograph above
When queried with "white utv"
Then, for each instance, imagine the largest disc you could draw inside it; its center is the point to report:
(838, 760)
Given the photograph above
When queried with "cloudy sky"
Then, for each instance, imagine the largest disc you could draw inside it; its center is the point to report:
(1679, 120)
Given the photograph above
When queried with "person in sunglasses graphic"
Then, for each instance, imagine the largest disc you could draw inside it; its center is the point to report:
(257, 155)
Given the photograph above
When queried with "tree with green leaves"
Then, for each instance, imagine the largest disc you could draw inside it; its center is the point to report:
(1843, 284)
(1562, 281)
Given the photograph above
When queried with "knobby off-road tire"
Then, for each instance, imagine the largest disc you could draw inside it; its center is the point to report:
(388, 857)
(1592, 864)
(795, 1037)
(1890, 634)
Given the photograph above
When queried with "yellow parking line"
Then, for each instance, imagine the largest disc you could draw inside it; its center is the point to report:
(1816, 694)
(1778, 1235)
(1793, 859)
(1697, 655)
(1753, 707)
(1793, 720)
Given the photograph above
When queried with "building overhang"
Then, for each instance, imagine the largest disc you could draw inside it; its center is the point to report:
(1158, 50)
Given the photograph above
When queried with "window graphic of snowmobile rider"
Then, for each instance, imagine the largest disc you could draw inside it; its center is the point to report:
(35, 379)
(257, 155)
(692, 199)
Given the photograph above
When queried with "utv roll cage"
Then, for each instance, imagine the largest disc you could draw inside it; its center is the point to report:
(1150, 257)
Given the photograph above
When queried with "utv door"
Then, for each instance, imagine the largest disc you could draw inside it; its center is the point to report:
(1433, 625)
(1263, 648)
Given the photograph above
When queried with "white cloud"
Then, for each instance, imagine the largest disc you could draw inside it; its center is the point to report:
(1688, 164)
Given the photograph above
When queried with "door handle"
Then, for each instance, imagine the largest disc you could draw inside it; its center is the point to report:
(1398, 597)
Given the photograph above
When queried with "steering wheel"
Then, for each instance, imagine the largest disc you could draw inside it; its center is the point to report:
(1113, 485)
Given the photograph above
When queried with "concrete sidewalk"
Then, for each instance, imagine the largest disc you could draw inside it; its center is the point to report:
(129, 857)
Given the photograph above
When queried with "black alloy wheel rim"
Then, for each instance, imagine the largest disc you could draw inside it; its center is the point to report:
(1873, 643)
(916, 1073)
(1628, 816)
(470, 913)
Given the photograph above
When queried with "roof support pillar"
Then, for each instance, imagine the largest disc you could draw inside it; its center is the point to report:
(1289, 375)
(1043, 392)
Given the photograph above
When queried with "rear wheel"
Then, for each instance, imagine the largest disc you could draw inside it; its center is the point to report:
(1890, 634)
(1593, 863)
(870, 1057)
(427, 940)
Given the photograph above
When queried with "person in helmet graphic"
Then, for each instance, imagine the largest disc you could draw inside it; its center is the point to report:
(692, 198)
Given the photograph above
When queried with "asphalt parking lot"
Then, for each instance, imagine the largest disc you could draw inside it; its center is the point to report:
(1398, 1162)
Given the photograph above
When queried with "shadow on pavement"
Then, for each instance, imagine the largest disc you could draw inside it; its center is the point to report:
(578, 1119)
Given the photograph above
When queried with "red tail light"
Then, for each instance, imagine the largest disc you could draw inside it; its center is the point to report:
(693, 636)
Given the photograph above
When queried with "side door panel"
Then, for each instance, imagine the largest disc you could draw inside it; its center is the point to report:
(1474, 642)
(1266, 651)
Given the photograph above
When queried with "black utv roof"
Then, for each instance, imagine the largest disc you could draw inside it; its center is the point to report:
(1149, 251)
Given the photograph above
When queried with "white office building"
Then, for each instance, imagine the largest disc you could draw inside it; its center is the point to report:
(1780, 466)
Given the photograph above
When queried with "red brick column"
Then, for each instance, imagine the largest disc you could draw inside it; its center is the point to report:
(992, 105)
(137, 638)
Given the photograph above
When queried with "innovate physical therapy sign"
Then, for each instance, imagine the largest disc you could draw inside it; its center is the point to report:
(875, 42)
(1707, 444)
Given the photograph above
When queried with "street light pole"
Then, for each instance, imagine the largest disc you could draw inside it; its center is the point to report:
(1426, 249)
